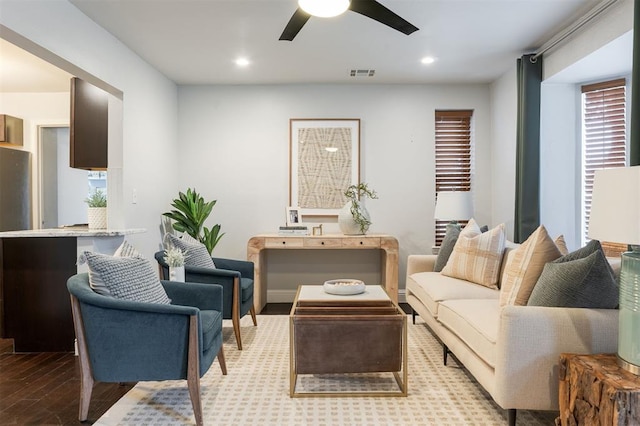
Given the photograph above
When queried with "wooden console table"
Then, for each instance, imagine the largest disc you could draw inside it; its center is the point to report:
(594, 390)
(387, 245)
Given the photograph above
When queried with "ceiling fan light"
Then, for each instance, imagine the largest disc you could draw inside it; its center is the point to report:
(324, 8)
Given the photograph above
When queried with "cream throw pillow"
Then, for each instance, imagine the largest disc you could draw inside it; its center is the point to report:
(562, 245)
(525, 265)
(476, 256)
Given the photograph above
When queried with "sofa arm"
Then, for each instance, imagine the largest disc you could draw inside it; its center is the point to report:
(420, 263)
(528, 347)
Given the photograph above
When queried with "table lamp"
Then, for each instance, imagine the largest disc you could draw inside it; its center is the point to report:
(454, 205)
(615, 217)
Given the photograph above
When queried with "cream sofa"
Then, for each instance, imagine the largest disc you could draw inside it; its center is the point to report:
(512, 351)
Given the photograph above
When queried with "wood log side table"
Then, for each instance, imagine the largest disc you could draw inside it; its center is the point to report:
(594, 390)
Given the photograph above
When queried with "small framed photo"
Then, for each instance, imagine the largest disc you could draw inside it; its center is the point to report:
(293, 216)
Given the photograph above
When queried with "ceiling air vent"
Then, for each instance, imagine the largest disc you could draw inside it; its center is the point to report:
(362, 73)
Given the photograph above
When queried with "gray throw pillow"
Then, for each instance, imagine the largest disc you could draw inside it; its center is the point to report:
(577, 282)
(195, 253)
(130, 278)
(449, 241)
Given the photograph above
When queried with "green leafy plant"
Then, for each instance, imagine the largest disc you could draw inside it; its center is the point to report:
(353, 193)
(189, 214)
(96, 199)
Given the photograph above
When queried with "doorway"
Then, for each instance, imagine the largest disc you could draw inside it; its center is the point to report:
(63, 190)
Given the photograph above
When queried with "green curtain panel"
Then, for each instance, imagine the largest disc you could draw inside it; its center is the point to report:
(634, 142)
(527, 208)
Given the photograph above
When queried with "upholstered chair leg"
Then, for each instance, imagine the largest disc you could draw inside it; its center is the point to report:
(413, 315)
(445, 352)
(252, 311)
(193, 370)
(511, 416)
(235, 312)
(221, 361)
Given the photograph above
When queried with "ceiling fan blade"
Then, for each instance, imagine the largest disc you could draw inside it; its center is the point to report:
(374, 10)
(297, 21)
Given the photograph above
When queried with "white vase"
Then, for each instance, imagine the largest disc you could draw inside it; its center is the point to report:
(97, 217)
(176, 273)
(348, 225)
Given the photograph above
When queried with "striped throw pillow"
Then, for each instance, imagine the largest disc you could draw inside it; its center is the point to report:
(525, 265)
(477, 256)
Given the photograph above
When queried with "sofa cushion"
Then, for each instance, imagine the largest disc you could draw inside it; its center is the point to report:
(433, 287)
(477, 256)
(524, 267)
(475, 322)
(586, 282)
(449, 241)
(211, 325)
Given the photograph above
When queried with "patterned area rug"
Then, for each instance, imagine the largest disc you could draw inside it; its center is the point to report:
(256, 390)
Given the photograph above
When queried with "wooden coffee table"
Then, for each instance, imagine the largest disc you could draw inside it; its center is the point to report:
(357, 336)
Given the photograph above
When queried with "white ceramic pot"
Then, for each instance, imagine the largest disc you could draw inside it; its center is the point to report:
(97, 217)
(176, 273)
(348, 225)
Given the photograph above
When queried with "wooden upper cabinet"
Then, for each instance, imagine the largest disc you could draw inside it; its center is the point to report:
(89, 126)
(11, 130)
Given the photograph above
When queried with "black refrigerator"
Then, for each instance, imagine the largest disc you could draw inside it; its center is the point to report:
(15, 189)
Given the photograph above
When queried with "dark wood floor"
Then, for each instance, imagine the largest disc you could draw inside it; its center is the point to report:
(44, 388)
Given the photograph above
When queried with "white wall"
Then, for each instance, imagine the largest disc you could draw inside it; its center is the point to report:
(504, 106)
(560, 162)
(149, 109)
(235, 141)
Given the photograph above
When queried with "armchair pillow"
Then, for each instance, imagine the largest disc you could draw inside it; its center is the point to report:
(477, 256)
(196, 254)
(127, 250)
(581, 279)
(130, 278)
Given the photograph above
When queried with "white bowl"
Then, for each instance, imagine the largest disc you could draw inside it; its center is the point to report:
(344, 286)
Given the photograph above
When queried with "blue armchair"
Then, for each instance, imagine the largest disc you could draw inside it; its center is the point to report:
(125, 341)
(236, 279)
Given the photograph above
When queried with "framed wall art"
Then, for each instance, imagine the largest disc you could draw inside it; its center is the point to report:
(324, 160)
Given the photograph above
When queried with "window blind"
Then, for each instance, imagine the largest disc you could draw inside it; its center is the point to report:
(604, 136)
(454, 157)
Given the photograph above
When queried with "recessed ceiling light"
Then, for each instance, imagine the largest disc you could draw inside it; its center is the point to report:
(242, 62)
(331, 149)
(428, 60)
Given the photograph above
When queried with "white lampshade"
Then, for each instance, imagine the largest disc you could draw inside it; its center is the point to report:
(615, 217)
(615, 205)
(324, 8)
(454, 205)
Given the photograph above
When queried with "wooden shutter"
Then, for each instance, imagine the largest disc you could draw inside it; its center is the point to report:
(453, 156)
(604, 137)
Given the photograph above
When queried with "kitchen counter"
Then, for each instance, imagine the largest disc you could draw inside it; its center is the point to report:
(71, 231)
(34, 268)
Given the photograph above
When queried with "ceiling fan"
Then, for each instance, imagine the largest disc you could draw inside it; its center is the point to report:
(369, 8)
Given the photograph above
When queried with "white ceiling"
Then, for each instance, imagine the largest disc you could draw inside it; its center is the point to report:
(197, 41)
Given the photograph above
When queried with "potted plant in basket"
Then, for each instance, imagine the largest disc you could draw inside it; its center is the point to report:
(354, 218)
(97, 212)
